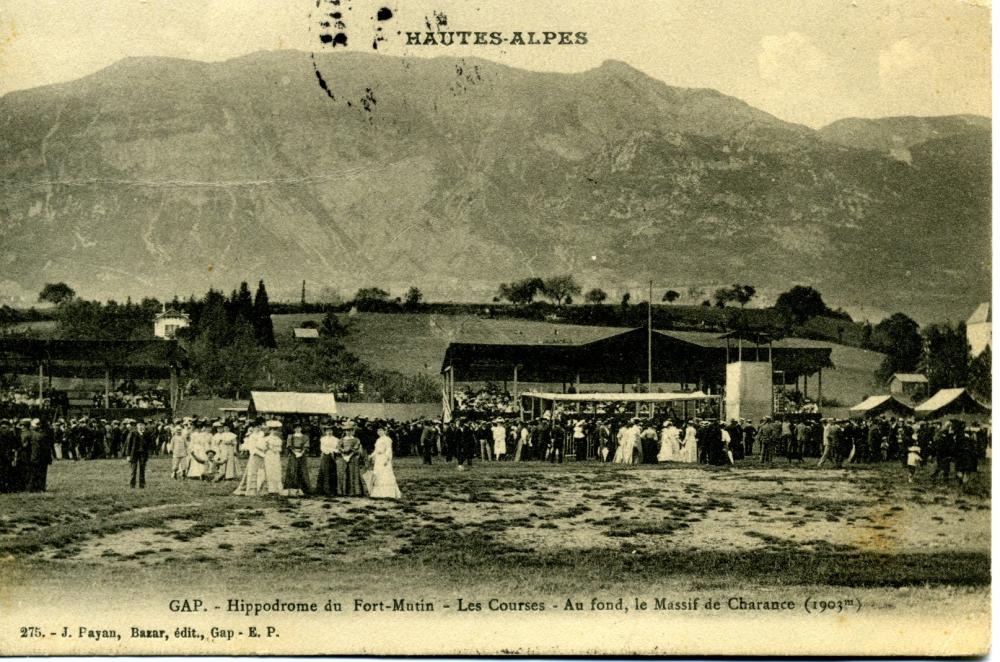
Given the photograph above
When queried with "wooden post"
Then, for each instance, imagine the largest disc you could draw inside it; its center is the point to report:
(819, 401)
(107, 387)
(41, 381)
(174, 390)
(515, 381)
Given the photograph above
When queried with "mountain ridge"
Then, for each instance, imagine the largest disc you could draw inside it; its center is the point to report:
(454, 174)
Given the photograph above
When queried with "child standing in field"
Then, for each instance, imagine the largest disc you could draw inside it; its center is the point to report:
(912, 460)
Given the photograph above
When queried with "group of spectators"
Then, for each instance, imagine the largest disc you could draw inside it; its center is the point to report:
(20, 403)
(949, 443)
(129, 400)
(29, 445)
(484, 403)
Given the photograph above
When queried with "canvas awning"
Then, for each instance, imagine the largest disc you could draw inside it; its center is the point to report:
(292, 402)
(619, 397)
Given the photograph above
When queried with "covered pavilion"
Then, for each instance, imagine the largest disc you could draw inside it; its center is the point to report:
(630, 356)
(107, 359)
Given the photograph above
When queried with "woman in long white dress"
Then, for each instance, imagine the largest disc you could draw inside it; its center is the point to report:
(620, 449)
(253, 477)
(383, 478)
(690, 451)
(272, 457)
(669, 443)
(198, 451)
(225, 444)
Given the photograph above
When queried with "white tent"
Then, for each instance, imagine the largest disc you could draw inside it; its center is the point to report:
(949, 401)
(291, 402)
(877, 404)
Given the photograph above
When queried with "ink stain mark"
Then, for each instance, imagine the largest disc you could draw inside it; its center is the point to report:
(339, 39)
(322, 82)
(384, 14)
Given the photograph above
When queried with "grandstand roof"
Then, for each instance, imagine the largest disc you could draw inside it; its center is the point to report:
(619, 356)
(618, 397)
(91, 358)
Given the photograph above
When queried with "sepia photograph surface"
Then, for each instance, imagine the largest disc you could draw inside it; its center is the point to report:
(392, 327)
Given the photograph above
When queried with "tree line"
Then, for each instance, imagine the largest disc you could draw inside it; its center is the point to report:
(231, 345)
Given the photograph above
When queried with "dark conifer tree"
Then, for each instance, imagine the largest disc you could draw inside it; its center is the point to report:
(263, 328)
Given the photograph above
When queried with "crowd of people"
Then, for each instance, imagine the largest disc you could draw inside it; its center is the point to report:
(355, 456)
(20, 402)
(130, 400)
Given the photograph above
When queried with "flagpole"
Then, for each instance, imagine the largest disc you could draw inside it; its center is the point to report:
(649, 345)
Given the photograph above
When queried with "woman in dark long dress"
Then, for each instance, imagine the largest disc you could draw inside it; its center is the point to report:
(297, 470)
(966, 452)
(350, 457)
(326, 482)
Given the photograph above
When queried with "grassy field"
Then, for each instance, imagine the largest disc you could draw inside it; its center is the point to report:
(785, 525)
(497, 531)
(415, 343)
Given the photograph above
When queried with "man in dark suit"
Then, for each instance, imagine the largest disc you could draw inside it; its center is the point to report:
(428, 439)
(39, 455)
(138, 445)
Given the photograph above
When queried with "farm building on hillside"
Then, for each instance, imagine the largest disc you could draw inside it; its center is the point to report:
(912, 386)
(169, 322)
(306, 333)
(979, 329)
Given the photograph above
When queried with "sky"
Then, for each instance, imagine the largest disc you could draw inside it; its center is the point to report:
(805, 61)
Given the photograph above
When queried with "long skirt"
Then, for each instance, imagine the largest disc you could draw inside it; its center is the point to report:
(227, 464)
(384, 482)
(326, 482)
(349, 481)
(297, 474)
(196, 467)
(272, 468)
(252, 477)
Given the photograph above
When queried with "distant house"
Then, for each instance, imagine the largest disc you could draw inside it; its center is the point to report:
(306, 333)
(169, 322)
(979, 329)
(908, 385)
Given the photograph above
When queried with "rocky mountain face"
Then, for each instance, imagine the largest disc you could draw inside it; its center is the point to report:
(161, 176)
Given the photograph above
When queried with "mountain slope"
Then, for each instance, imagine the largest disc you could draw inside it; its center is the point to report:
(897, 134)
(157, 176)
